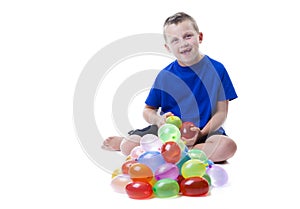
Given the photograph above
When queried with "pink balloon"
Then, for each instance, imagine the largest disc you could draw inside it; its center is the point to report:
(119, 182)
(151, 142)
(136, 152)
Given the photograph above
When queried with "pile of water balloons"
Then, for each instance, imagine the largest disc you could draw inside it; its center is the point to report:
(162, 166)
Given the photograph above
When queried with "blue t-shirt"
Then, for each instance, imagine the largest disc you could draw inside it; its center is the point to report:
(192, 92)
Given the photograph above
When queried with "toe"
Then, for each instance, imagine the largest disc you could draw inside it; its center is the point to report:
(105, 147)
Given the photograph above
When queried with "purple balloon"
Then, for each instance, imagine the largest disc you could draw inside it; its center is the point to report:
(167, 170)
(218, 175)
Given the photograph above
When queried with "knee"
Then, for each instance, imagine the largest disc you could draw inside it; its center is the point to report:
(227, 148)
(129, 143)
(231, 146)
(221, 148)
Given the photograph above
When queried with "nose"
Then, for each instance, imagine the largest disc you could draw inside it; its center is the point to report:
(183, 43)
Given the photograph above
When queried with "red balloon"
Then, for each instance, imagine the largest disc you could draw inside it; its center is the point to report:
(194, 186)
(179, 179)
(171, 152)
(185, 130)
(139, 190)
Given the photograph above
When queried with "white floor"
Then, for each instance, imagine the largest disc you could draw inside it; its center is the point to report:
(44, 47)
(250, 185)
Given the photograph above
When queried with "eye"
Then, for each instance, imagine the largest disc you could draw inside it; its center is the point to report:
(174, 41)
(188, 36)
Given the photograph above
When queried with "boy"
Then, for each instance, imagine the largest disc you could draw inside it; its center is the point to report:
(194, 87)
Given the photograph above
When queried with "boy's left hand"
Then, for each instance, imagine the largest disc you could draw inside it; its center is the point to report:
(192, 141)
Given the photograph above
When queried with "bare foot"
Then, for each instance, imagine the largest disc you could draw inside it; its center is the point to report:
(112, 143)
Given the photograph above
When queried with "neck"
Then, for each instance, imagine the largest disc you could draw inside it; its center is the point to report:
(198, 59)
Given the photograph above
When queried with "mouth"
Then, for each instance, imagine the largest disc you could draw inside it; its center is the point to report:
(185, 51)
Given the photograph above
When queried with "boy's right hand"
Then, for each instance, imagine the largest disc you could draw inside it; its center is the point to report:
(192, 141)
(162, 119)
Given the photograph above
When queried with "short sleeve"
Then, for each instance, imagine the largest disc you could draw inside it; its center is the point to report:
(227, 90)
(154, 98)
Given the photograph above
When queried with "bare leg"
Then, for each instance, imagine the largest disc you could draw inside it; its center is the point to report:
(129, 143)
(112, 143)
(218, 148)
(123, 144)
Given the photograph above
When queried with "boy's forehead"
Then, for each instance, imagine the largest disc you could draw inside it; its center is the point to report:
(178, 29)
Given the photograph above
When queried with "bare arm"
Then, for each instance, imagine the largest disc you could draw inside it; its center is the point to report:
(213, 124)
(151, 116)
(217, 119)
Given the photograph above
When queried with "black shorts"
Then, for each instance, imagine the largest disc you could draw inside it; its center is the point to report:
(205, 137)
(152, 129)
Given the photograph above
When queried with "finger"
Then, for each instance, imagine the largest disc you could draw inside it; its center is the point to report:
(161, 123)
(195, 128)
(168, 114)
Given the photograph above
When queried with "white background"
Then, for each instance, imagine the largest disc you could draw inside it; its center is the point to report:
(45, 45)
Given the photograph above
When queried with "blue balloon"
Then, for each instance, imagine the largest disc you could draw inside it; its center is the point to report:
(153, 159)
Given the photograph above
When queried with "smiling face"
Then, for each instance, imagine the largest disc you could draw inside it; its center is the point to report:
(182, 40)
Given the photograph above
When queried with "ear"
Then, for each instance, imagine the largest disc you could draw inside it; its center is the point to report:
(200, 37)
(168, 48)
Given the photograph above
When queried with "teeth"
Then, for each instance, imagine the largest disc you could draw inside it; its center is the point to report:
(185, 51)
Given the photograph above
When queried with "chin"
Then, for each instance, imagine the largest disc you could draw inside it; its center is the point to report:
(186, 62)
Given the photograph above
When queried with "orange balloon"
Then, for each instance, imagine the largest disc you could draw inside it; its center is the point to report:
(126, 165)
(140, 172)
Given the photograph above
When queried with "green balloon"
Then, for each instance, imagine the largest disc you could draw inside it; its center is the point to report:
(208, 179)
(192, 168)
(198, 154)
(169, 132)
(166, 188)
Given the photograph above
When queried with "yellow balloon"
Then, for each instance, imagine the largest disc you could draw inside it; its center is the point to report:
(116, 172)
(192, 168)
